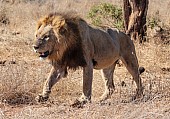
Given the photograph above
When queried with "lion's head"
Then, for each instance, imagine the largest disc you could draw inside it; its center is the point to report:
(57, 38)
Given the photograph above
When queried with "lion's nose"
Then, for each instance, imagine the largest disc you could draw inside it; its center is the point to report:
(36, 47)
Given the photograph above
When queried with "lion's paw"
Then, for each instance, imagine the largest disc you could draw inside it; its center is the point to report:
(78, 104)
(104, 97)
(139, 95)
(41, 98)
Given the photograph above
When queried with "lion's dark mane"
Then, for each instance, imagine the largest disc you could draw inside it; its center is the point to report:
(73, 56)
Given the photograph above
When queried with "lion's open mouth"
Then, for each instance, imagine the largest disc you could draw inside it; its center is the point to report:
(45, 54)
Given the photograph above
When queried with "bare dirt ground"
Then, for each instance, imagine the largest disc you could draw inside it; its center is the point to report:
(22, 74)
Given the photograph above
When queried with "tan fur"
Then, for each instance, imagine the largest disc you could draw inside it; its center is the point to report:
(73, 43)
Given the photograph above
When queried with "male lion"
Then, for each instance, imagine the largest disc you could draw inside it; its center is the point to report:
(69, 42)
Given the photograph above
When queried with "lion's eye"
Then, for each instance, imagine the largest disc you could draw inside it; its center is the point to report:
(46, 38)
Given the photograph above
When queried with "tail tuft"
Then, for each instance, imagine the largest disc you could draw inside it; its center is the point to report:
(141, 70)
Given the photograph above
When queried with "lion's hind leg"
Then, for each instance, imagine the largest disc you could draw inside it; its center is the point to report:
(107, 75)
(131, 63)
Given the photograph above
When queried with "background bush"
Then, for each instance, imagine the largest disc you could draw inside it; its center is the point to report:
(106, 14)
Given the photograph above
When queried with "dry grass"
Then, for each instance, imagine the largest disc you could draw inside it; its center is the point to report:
(22, 74)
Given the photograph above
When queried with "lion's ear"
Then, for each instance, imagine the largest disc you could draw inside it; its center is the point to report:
(41, 22)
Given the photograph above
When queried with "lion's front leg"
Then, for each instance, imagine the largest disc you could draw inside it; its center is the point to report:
(87, 83)
(53, 78)
(87, 86)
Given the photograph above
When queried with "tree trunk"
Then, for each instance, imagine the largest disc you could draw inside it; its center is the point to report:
(135, 12)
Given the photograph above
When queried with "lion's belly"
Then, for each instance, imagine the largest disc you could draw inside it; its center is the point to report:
(104, 63)
(105, 58)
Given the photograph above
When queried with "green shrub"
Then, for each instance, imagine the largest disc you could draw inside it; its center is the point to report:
(106, 14)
